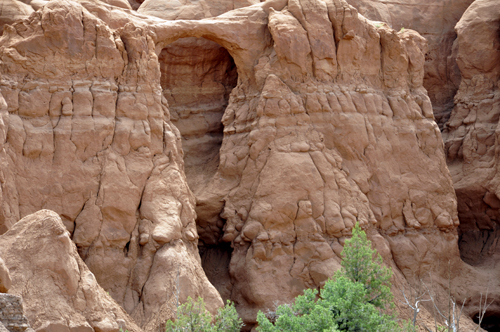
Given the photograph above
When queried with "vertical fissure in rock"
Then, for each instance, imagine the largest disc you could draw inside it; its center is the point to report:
(197, 77)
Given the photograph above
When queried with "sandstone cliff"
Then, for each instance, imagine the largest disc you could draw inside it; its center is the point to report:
(59, 291)
(471, 140)
(85, 132)
(267, 132)
(435, 20)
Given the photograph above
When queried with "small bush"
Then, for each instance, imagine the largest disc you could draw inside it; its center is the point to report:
(193, 317)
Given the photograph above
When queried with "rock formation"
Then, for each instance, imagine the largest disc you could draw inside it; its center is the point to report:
(12, 317)
(85, 132)
(435, 20)
(471, 139)
(471, 67)
(59, 291)
(266, 132)
(5, 280)
(13, 10)
(470, 133)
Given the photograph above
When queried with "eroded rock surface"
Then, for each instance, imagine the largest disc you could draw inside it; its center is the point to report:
(5, 280)
(85, 132)
(471, 140)
(329, 124)
(59, 291)
(470, 134)
(305, 131)
(435, 20)
(13, 10)
(190, 9)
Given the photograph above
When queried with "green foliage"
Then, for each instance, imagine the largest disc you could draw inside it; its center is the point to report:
(339, 308)
(193, 317)
(227, 319)
(345, 299)
(409, 327)
(353, 300)
(304, 315)
(362, 264)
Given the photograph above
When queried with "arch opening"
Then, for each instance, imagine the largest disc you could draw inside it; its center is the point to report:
(197, 77)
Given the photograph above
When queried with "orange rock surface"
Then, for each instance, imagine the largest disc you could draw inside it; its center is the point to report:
(225, 149)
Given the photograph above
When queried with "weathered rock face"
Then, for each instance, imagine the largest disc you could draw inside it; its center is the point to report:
(59, 291)
(12, 317)
(305, 154)
(190, 9)
(435, 20)
(13, 10)
(329, 124)
(471, 139)
(470, 134)
(311, 199)
(304, 133)
(85, 132)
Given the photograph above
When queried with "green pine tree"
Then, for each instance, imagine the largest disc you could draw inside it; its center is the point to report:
(362, 264)
(354, 299)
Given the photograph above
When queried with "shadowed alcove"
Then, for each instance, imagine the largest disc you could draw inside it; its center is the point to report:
(197, 77)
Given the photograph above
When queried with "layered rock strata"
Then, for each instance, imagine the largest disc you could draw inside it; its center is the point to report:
(86, 132)
(329, 125)
(12, 317)
(434, 20)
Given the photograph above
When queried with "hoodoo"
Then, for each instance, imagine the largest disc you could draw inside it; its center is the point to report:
(154, 151)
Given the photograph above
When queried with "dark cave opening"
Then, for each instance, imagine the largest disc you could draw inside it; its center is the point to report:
(479, 246)
(215, 262)
(490, 322)
(479, 229)
(197, 77)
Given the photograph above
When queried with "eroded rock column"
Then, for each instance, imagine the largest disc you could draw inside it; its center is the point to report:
(471, 139)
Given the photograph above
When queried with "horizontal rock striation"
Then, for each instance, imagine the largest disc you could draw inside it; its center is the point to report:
(329, 124)
(12, 314)
(86, 132)
(435, 21)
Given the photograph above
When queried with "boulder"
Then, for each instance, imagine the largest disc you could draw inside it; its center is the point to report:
(59, 292)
